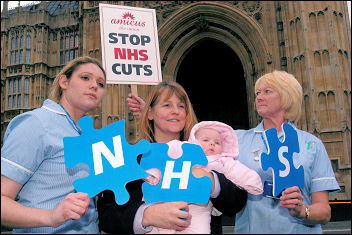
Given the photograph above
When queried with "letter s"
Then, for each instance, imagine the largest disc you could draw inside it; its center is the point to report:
(283, 160)
(113, 38)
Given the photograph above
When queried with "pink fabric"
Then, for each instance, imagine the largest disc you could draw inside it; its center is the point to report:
(229, 137)
(200, 222)
(224, 163)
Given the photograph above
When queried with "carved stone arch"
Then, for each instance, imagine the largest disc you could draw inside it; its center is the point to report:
(320, 13)
(312, 14)
(221, 22)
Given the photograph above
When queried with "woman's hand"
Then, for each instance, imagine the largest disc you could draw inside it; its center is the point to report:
(135, 104)
(167, 215)
(293, 200)
(319, 210)
(73, 206)
(199, 172)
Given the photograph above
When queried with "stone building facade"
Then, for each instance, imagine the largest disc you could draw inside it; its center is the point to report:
(215, 49)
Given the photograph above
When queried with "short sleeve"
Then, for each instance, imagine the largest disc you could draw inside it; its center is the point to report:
(323, 177)
(23, 149)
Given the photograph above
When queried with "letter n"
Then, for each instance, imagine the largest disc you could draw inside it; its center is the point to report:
(100, 148)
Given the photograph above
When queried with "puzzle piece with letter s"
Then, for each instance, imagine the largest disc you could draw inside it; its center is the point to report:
(280, 159)
(111, 160)
(177, 181)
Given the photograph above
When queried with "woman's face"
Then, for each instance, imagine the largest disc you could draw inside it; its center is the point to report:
(85, 89)
(268, 102)
(169, 116)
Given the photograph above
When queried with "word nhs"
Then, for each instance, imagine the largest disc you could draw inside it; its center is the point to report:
(117, 160)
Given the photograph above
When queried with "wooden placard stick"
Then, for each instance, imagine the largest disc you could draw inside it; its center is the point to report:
(134, 90)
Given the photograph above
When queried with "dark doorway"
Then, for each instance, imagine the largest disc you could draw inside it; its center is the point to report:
(213, 77)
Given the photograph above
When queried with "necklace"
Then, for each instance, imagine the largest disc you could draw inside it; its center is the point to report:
(69, 116)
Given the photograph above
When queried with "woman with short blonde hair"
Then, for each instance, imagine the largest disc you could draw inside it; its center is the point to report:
(290, 92)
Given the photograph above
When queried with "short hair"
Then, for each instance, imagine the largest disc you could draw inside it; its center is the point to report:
(290, 91)
(167, 88)
(56, 91)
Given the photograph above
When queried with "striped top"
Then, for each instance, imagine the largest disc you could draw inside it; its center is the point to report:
(265, 215)
(33, 155)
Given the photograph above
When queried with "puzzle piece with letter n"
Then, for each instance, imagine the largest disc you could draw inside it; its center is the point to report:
(113, 171)
(177, 181)
(280, 159)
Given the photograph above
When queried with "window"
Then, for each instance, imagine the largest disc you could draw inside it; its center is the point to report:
(16, 54)
(17, 42)
(29, 39)
(21, 42)
(10, 86)
(14, 86)
(68, 46)
(21, 56)
(12, 42)
(19, 101)
(28, 56)
(12, 57)
(26, 85)
(19, 85)
(14, 101)
(25, 101)
(9, 104)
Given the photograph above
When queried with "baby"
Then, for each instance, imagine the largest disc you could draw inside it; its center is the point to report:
(220, 145)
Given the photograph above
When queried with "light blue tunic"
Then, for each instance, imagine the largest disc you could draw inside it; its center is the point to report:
(33, 155)
(265, 215)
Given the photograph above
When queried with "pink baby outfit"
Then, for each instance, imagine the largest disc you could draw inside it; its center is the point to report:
(200, 221)
(224, 163)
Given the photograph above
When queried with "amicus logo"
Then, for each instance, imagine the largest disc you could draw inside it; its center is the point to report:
(128, 15)
(128, 20)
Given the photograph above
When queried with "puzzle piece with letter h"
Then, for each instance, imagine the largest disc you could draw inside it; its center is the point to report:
(280, 159)
(112, 172)
(177, 181)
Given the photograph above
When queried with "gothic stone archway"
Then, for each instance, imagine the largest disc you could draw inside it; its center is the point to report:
(219, 22)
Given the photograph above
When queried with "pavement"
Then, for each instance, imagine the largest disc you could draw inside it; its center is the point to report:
(336, 227)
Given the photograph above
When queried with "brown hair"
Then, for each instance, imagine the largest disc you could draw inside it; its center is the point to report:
(56, 91)
(147, 126)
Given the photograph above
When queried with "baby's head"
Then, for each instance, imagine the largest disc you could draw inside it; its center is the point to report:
(210, 141)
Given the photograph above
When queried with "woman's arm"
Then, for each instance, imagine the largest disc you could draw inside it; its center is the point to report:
(231, 198)
(318, 213)
(15, 215)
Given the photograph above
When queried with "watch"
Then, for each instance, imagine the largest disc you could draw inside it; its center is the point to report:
(307, 213)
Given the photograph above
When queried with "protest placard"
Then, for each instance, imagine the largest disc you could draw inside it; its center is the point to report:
(130, 45)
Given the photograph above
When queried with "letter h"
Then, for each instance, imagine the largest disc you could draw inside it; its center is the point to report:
(169, 174)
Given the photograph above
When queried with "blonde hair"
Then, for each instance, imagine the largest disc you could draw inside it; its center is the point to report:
(290, 91)
(167, 88)
(56, 91)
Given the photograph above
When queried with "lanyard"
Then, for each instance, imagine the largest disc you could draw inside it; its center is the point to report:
(77, 127)
(265, 142)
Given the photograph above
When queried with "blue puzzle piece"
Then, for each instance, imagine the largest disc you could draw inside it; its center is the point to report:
(111, 160)
(171, 189)
(280, 159)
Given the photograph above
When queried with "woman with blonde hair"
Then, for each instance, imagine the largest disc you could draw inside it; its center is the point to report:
(32, 157)
(167, 115)
(298, 210)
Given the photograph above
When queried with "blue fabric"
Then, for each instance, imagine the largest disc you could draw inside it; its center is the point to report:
(33, 155)
(265, 215)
